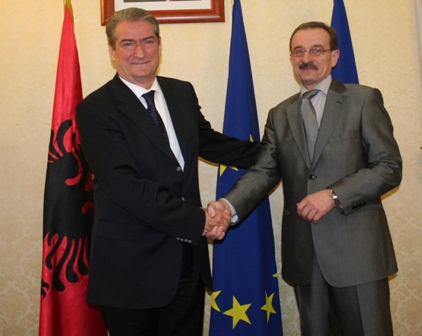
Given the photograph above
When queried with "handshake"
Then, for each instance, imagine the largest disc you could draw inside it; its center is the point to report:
(217, 219)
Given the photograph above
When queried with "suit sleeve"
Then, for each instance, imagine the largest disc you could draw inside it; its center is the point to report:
(220, 148)
(383, 170)
(260, 178)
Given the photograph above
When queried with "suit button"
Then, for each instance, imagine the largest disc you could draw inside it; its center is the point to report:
(312, 176)
(178, 169)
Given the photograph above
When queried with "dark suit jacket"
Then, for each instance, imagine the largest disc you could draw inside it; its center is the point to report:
(146, 207)
(356, 156)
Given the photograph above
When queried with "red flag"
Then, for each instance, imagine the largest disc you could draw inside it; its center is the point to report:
(68, 208)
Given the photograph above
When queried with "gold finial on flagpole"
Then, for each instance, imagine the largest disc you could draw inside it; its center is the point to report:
(68, 4)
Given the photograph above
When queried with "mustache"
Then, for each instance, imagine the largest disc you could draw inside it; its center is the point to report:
(308, 65)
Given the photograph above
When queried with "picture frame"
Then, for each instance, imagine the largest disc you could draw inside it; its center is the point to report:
(176, 11)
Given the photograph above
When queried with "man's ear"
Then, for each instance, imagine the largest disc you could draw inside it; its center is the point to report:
(335, 55)
(111, 52)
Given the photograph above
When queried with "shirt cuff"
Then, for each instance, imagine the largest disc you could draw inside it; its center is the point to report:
(235, 217)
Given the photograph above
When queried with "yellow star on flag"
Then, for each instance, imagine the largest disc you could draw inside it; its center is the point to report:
(238, 312)
(268, 306)
(213, 300)
(224, 167)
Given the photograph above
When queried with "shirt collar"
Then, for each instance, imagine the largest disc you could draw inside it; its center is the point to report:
(139, 90)
(323, 86)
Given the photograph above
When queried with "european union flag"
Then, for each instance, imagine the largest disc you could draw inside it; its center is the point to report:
(345, 70)
(245, 300)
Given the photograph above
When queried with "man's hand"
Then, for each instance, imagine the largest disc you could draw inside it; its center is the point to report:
(315, 206)
(217, 224)
(220, 205)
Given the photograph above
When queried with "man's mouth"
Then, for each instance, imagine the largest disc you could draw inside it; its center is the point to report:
(305, 66)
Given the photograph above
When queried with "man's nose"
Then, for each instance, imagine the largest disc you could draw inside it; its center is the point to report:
(139, 50)
(307, 57)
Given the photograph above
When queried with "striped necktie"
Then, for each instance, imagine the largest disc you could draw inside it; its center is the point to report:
(152, 110)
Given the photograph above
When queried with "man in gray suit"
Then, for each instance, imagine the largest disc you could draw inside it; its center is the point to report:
(336, 245)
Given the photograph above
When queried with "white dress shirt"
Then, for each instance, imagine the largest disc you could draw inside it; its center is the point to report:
(318, 101)
(161, 106)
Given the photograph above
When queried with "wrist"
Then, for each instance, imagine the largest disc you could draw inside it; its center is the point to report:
(335, 198)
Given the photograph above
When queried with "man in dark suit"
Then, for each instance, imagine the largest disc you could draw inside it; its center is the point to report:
(336, 245)
(142, 136)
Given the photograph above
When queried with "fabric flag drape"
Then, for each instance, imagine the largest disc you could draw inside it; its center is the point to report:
(68, 208)
(245, 300)
(345, 70)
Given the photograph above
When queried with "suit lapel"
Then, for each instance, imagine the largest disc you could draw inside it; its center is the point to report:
(296, 125)
(332, 112)
(130, 105)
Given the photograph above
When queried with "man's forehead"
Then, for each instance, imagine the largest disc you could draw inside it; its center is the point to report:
(299, 46)
(310, 37)
(135, 27)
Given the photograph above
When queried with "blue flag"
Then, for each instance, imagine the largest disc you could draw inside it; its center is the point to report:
(345, 70)
(245, 300)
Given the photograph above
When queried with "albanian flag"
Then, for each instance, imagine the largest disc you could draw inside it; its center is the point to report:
(68, 208)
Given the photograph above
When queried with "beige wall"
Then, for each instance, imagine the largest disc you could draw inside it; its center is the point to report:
(385, 41)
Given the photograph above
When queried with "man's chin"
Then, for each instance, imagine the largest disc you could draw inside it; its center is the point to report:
(307, 79)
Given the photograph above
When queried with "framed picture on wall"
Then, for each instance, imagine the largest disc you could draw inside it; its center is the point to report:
(170, 11)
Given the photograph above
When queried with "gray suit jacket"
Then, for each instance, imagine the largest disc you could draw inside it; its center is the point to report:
(357, 156)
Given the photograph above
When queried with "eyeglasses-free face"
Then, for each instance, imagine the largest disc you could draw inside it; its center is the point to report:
(311, 56)
(137, 52)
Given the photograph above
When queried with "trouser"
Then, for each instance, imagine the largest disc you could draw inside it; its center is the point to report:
(348, 311)
(182, 317)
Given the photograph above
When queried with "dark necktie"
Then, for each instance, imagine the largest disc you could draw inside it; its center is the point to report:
(152, 110)
(309, 120)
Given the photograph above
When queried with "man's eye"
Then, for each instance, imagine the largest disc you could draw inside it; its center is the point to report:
(127, 44)
(149, 42)
(317, 50)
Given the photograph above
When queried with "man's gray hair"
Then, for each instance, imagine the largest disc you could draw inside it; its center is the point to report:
(129, 15)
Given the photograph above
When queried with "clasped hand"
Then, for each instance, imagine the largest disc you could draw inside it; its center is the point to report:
(218, 217)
